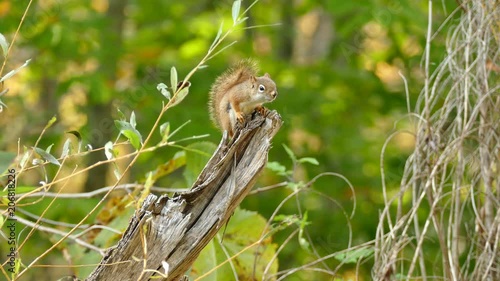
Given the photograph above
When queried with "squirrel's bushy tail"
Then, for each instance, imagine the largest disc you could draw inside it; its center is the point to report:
(235, 75)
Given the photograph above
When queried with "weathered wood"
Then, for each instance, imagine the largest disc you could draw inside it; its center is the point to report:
(175, 230)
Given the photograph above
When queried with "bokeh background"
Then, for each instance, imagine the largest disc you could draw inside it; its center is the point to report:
(340, 67)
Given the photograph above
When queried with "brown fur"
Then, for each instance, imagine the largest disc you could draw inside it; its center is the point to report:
(236, 93)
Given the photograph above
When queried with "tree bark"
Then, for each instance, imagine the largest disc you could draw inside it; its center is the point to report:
(167, 234)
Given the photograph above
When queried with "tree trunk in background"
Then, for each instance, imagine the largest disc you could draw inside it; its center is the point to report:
(100, 122)
(286, 39)
(314, 36)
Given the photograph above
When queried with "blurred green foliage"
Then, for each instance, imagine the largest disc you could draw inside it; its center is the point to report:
(337, 65)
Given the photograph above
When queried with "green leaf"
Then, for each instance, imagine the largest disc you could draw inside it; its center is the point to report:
(197, 156)
(6, 159)
(284, 221)
(121, 115)
(49, 148)
(277, 168)
(130, 133)
(14, 71)
(66, 148)
(164, 131)
(180, 96)
(25, 158)
(18, 266)
(163, 90)
(173, 79)
(290, 153)
(236, 10)
(244, 228)
(294, 186)
(51, 122)
(132, 119)
(242, 20)
(79, 137)
(19, 190)
(170, 166)
(108, 150)
(4, 44)
(302, 225)
(117, 172)
(206, 261)
(309, 160)
(354, 255)
(217, 37)
(47, 156)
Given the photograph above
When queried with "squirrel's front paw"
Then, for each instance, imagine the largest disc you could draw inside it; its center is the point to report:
(239, 117)
(262, 110)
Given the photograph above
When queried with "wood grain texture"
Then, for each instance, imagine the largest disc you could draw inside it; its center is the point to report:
(176, 229)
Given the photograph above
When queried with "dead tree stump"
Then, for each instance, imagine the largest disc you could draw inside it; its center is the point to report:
(175, 230)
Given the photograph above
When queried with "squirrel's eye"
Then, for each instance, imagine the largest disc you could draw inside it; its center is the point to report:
(262, 88)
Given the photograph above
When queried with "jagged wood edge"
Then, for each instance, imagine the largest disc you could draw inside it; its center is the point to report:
(176, 229)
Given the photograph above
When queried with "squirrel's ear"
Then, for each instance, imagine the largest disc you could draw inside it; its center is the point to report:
(267, 75)
(253, 79)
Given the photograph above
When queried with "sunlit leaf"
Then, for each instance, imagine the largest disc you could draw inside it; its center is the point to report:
(277, 168)
(132, 119)
(108, 150)
(47, 156)
(309, 160)
(179, 97)
(49, 148)
(242, 20)
(206, 261)
(244, 229)
(163, 90)
(18, 266)
(130, 133)
(117, 173)
(236, 10)
(173, 79)
(66, 148)
(164, 131)
(217, 37)
(14, 71)
(4, 44)
(51, 122)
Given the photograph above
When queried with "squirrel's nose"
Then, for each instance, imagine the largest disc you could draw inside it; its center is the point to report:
(275, 94)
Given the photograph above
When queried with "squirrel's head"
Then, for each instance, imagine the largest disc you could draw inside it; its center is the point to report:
(265, 87)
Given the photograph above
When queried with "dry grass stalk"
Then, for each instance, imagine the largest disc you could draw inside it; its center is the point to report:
(453, 175)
